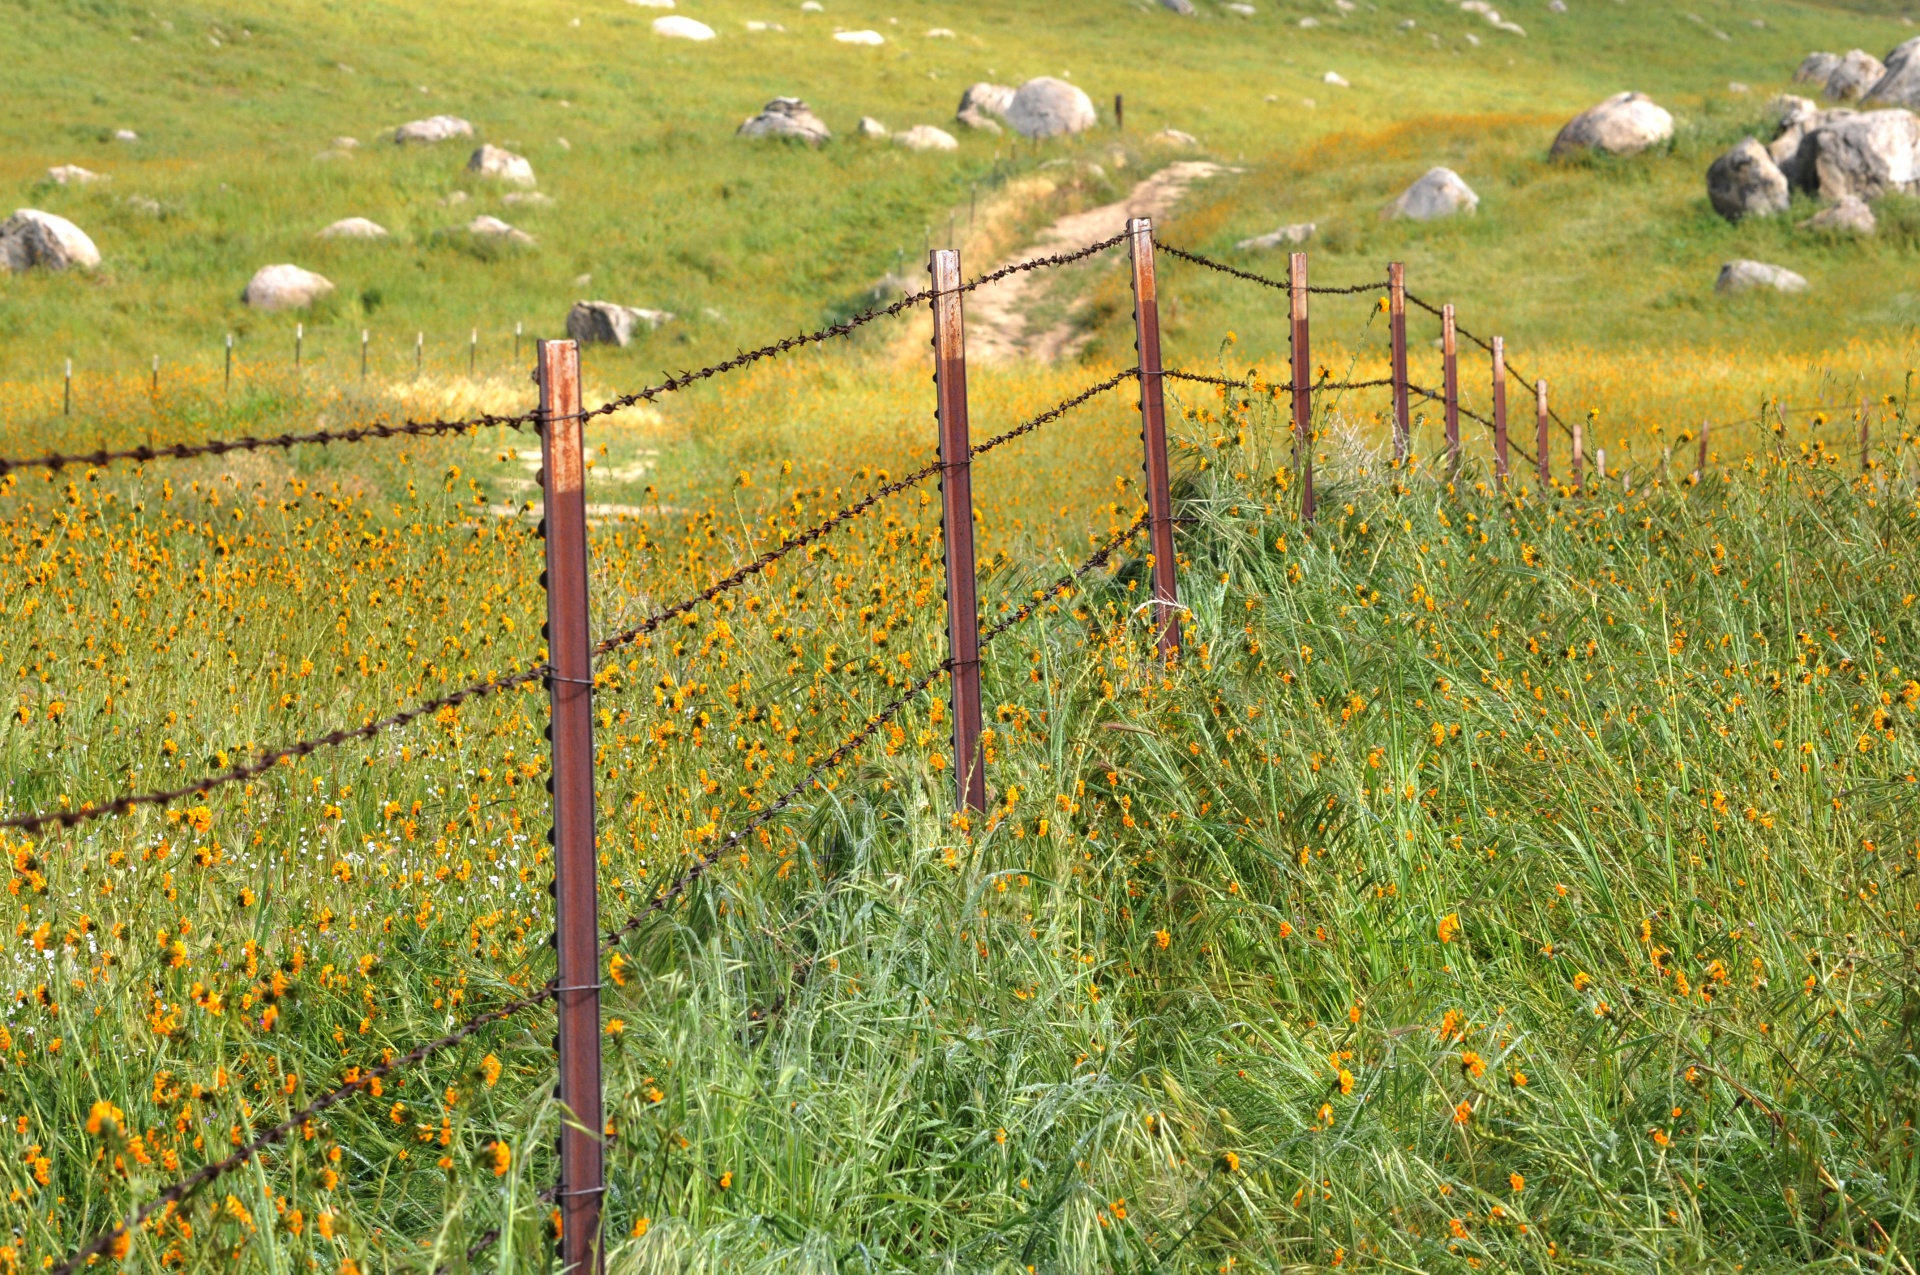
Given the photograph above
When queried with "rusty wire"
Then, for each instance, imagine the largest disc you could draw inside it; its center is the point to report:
(1261, 279)
(1472, 415)
(1275, 388)
(1511, 370)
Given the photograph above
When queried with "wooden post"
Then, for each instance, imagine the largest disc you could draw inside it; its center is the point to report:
(363, 354)
(956, 507)
(1302, 382)
(1579, 457)
(1119, 114)
(1450, 371)
(66, 401)
(1500, 412)
(576, 903)
(1540, 436)
(1397, 339)
(156, 374)
(473, 351)
(419, 354)
(1153, 435)
(1866, 456)
(1700, 466)
(227, 386)
(299, 339)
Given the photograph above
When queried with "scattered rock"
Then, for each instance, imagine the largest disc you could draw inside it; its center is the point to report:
(1244, 10)
(675, 27)
(604, 323)
(925, 137)
(526, 199)
(1440, 193)
(455, 197)
(1309, 23)
(1742, 276)
(1815, 68)
(285, 287)
(73, 175)
(125, 135)
(1046, 107)
(983, 104)
(487, 227)
(652, 4)
(786, 117)
(345, 143)
(1182, 7)
(1858, 72)
(1174, 137)
(435, 128)
(1299, 233)
(940, 33)
(1850, 216)
(1624, 124)
(1556, 6)
(501, 165)
(1900, 86)
(860, 37)
(1736, 87)
(870, 127)
(142, 204)
(35, 240)
(812, 6)
(1336, 79)
(1745, 182)
(1863, 153)
(354, 228)
(1798, 117)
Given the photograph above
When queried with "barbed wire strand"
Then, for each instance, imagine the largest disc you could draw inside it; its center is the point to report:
(1261, 279)
(1552, 412)
(1472, 415)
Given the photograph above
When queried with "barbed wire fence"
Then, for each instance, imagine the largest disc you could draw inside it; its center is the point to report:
(567, 672)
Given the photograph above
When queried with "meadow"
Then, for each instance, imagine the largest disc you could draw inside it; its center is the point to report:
(1517, 880)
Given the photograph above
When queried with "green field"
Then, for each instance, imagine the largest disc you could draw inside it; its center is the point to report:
(1496, 881)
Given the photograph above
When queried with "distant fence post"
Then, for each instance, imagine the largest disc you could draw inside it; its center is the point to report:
(1540, 436)
(363, 354)
(156, 374)
(1119, 114)
(1450, 372)
(1700, 466)
(956, 505)
(419, 354)
(227, 386)
(66, 395)
(1866, 456)
(1397, 337)
(299, 339)
(576, 905)
(1500, 412)
(1302, 381)
(1579, 456)
(1153, 434)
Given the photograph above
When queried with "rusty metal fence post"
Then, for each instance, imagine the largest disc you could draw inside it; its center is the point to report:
(1540, 438)
(1153, 435)
(1700, 466)
(1302, 381)
(1500, 412)
(576, 905)
(1450, 374)
(956, 507)
(1579, 456)
(1397, 339)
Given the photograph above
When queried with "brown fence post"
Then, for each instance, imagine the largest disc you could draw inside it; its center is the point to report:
(1579, 457)
(576, 905)
(1700, 466)
(1153, 434)
(1450, 371)
(1397, 339)
(1302, 381)
(1866, 441)
(956, 503)
(1540, 436)
(1500, 411)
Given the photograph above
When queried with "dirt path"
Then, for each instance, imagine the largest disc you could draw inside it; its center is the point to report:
(1000, 317)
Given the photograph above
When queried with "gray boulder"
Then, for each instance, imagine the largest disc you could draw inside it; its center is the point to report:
(498, 164)
(1182, 7)
(1863, 153)
(1900, 86)
(1624, 124)
(1439, 193)
(1798, 117)
(435, 128)
(1816, 68)
(486, 227)
(1744, 276)
(984, 106)
(1046, 107)
(604, 323)
(1850, 216)
(787, 117)
(1858, 72)
(1745, 182)
(35, 240)
(285, 287)
(871, 127)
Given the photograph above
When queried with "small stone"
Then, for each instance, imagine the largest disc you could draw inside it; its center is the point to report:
(1336, 79)
(870, 127)
(285, 287)
(493, 162)
(1736, 87)
(143, 205)
(1440, 192)
(345, 143)
(652, 4)
(786, 117)
(487, 227)
(604, 323)
(35, 240)
(1294, 234)
(676, 27)
(73, 175)
(812, 6)
(1244, 10)
(940, 33)
(1743, 276)
(125, 135)
(1309, 23)
(1174, 137)
(1182, 7)
(526, 199)
(859, 37)
(925, 137)
(435, 128)
(1556, 6)
(456, 197)
(354, 228)
(1850, 216)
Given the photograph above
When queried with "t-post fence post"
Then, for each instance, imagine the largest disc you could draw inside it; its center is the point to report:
(1397, 338)
(1450, 372)
(1153, 434)
(1500, 412)
(1302, 380)
(956, 507)
(1579, 456)
(570, 696)
(1540, 438)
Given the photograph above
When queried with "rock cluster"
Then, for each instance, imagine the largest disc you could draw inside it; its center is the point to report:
(35, 240)
(604, 323)
(787, 117)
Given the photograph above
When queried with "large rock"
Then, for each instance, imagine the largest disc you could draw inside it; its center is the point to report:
(35, 240)
(1798, 117)
(1815, 68)
(354, 228)
(285, 287)
(925, 137)
(1439, 193)
(1047, 107)
(486, 227)
(604, 323)
(1743, 276)
(1858, 72)
(1850, 216)
(675, 27)
(984, 105)
(1745, 182)
(1863, 153)
(435, 128)
(1900, 86)
(1624, 124)
(786, 117)
(501, 165)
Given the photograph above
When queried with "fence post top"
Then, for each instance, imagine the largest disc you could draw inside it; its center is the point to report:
(1139, 225)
